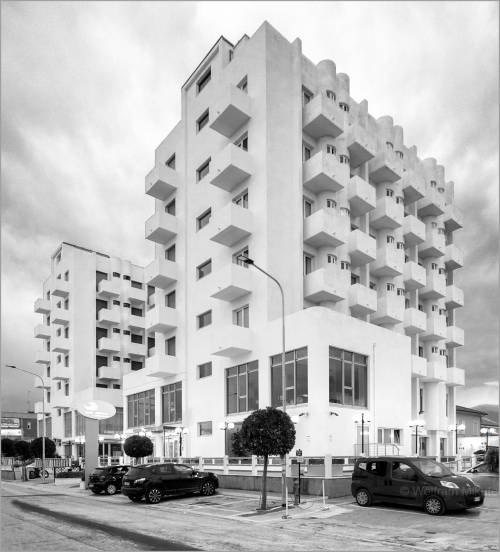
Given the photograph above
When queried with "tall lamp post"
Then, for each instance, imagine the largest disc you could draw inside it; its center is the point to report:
(487, 431)
(224, 426)
(416, 424)
(251, 262)
(364, 418)
(456, 428)
(180, 432)
(43, 414)
(122, 437)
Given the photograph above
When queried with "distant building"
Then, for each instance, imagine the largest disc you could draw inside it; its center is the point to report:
(471, 439)
(19, 425)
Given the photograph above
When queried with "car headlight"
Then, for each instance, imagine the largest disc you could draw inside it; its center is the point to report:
(139, 481)
(449, 484)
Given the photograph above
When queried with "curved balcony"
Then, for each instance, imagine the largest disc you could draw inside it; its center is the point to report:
(415, 321)
(436, 329)
(326, 228)
(322, 117)
(413, 186)
(326, 284)
(389, 262)
(384, 167)
(454, 297)
(413, 230)
(323, 172)
(231, 111)
(387, 214)
(362, 248)
(361, 144)
(453, 257)
(161, 182)
(390, 308)
(361, 196)
(230, 225)
(230, 167)
(414, 276)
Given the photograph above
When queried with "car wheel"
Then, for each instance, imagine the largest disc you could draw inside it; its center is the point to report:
(434, 505)
(153, 495)
(95, 491)
(363, 497)
(135, 498)
(111, 489)
(44, 475)
(207, 488)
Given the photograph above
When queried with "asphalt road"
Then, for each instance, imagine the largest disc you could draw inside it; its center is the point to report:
(58, 518)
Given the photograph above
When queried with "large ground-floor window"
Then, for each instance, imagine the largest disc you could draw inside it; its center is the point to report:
(348, 376)
(141, 408)
(171, 400)
(296, 390)
(242, 387)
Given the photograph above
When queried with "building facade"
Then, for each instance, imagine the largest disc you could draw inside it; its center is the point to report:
(273, 159)
(19, 425)
(473, 436)
(92, 332)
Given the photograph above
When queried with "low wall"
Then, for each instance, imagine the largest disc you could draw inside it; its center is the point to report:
(335, 487)
(8, 475)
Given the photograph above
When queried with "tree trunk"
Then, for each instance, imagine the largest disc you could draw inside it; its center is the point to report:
(263, 502)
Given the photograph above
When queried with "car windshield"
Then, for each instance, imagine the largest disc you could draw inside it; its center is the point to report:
(432, 468)
(137, 472)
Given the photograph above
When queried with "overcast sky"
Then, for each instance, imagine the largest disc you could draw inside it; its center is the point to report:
(90, 89)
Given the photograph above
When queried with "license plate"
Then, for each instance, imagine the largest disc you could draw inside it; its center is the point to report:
(477, 499)
(126, 483)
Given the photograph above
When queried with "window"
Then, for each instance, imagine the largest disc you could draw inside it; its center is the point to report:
(331, 204)
(204, 370)
(434, 308)
(373, 285)
(344, 159)
(434, 350)
(296, 385)
(401, 292)
(203, 219)
(170, 300)
(66, 276)
(204, 319)
(330, 94)
(66, 304)
(344, 211)
(116, 359)
(441, 231)
(59, 357)
(136, 365)
(116, 386)
(170, 253)
(434, 266)
(344, 106)
(345, 265)
(204, 428)
(58, 385)
(66, 389)
(388, 435)
(126, 360)
(442, 271)
(203, 80)
(307, 264)
(68, 424)
(354, 279)
(115, 302)
(170, 346)
(433, 183)
(242, 388)
(136, 311)
(102, 385)
(66, 361)
(421, 400)
(136, 338)
(170, 162)
(306, 152)
(307, 208)
(202, 121)
(136, 285)
(441, 190)
(242, 199)
(399, 154)
(389, 192)
(204, 269)
(126, 332)
(116, 330)
(203, 170)
(331, 259)
(331, 149)
(238, 257)
(400, 200)
(240, 317)
(442, 312)
(125, 277)
(348, 377)
(172, 402)
(434, 224)
(58, 332)
(407, 303)
(116, 275)
(170, 207)
(389, 286)
(390, 145)
(390, 239)
(242, 142)
(141, 408)
(400, 245)
(243, 84)
(307, 96)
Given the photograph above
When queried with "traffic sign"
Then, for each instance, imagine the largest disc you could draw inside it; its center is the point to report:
(298, 452)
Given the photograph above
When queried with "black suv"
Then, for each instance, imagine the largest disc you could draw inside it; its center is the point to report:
(414, 481)
(107, 479)
(154, 481)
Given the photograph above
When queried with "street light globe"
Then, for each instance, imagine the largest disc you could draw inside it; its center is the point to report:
(295, 419)
(185, 431)
(230, 425)
(461, 427)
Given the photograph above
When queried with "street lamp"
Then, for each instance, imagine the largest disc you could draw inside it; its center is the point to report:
(487, 431)
(416, 424)
(364, 418)
(180, 432)
(251, 262)
(43, 414)
(224, 426)
(456, 428)
(121, 437)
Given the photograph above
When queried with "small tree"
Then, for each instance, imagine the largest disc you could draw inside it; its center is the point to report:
(22, 450)
(138, 446)
(7, 447)
(237, 448)
(265, 432)
(36, 447)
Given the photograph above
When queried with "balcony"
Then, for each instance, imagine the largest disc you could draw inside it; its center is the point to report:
(435, 286)
(42, 357)
(362, 300)
(161, 319)
(135, 349)
(160, 365)
(136, 322)
(454, 336)
(60, 372)
(109, 317)
(455, 376)
(232, 341)
(109, 289)
(231, 282)
(436, 371)
(60, 316)
(390, 308)
(161, 273)
(161, 182)
(42, 306)
(361, 196)
(433, 246)
(415, 321)
(60, 344)
(414, 276)
(60, 287)
(436, 328)
(454, 297)
(362, 248)
(432, 204)
(231, 111)
(112, 372)
(327, 284)
(453, 218)
(413, 230)
(230, 167)
(326, 228)
(37, 383)
(361, 145)
(322, 117)
(61, 401)
(230, 225)
(453, 257)
(384, 168)
(418, 366)
(108, 345)
(323, 172)
(42, 331)
(387, 214)
(389, 262)
(413, 186)
(161, 227)
(136, 295)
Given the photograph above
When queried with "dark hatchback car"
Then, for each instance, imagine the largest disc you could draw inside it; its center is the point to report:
(107, 479)
(154, 481)
(413, 481)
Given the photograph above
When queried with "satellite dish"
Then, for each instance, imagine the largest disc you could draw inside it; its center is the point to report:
(98, 410)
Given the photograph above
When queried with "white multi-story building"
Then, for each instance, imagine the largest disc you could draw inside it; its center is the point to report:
(273, 159)
(93, 332)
